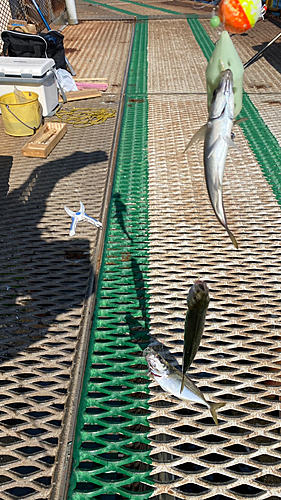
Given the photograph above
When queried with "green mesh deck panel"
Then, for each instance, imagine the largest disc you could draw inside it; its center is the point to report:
(112, 450)
(112, 7)
(140, 4)
(161, 9)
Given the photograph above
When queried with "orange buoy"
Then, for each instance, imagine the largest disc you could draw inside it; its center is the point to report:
(239, 16)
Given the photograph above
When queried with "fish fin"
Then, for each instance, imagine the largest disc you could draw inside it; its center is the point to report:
(198, 136)
(232, 144)
(182, 383)
(213, 409)
(241, 120)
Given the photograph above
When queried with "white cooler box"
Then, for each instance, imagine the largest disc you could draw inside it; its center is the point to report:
(30, 74)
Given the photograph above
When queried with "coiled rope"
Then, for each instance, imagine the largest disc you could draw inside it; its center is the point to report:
(84, 117)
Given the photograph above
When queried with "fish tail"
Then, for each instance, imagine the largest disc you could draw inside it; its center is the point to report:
(232, 237)
(213, 409)
(223, 221)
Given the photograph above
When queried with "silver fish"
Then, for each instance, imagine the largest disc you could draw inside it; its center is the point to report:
(217, 139)
(169, 378)
(197, 302)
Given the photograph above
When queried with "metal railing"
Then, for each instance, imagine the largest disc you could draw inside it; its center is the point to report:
(24, 9)
(5, 14)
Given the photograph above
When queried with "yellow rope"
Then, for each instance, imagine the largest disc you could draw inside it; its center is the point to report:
(84, 117)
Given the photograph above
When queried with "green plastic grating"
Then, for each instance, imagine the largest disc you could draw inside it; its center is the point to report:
(161, 9)
(111, 455)
(117, 9)
(142, 5)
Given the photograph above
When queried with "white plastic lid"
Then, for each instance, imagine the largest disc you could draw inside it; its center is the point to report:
(22, 66)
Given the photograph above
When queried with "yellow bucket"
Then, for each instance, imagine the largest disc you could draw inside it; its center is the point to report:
(22, 118)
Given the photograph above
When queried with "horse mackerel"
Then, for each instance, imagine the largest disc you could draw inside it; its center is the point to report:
(169, 378)
(197, 302)
(217, 139)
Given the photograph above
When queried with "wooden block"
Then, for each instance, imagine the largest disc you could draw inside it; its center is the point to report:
(44, 141)
(101, 80)
(31, 28)
(22, 26)
(77, 95)
(91, 85)
(17, 22)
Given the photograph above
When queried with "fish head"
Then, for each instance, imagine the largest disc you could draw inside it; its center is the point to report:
(198, 295)
(156, 364)
(223, 96)
(226, 82)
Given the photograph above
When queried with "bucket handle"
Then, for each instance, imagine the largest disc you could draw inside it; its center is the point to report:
(31, 128)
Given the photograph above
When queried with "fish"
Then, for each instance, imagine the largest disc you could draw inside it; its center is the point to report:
(217, 136)
(197, 303)
(169, 378)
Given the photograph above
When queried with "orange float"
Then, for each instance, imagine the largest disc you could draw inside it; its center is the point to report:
(239, 16)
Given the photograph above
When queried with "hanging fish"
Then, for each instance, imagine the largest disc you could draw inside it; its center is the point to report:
(197, 302)
(217, 136)
(169, 378)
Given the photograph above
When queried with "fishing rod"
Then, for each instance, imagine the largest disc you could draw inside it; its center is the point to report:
(257, 56)
(49, 29)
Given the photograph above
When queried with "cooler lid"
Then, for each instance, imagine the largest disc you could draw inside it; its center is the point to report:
(25, 66)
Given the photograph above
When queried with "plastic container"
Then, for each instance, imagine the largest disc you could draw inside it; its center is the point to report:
(225, 57)
(21, 119)
(33, 74)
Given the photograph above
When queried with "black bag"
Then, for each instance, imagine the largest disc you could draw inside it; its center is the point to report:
(49, 44)
(55, 48)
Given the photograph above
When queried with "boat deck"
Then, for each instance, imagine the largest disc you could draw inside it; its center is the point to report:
(110, 292)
